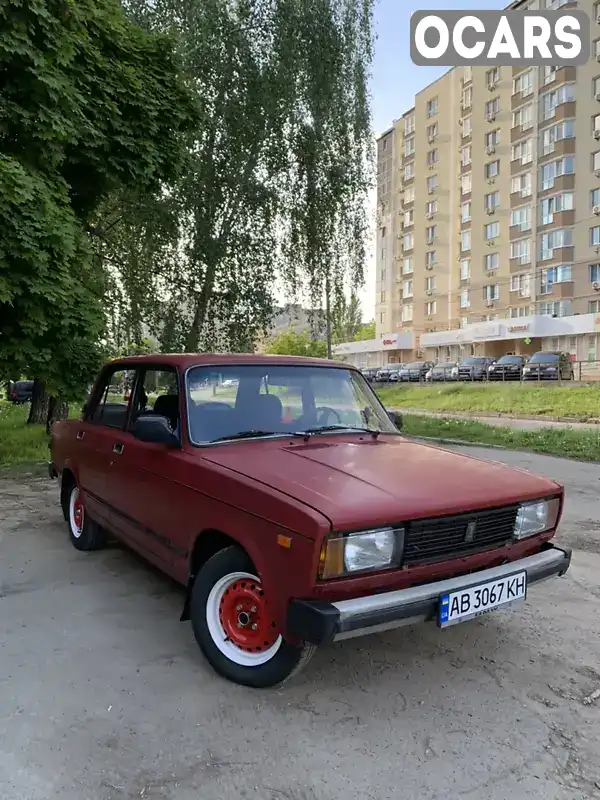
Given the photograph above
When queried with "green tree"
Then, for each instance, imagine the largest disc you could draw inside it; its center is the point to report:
(291, 343)
(346, 318)
(365, 332)
(90, 102)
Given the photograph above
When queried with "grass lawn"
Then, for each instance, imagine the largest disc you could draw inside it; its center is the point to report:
(580, 402)
(20, 443)
(579, 444)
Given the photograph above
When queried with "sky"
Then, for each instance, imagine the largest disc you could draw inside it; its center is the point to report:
(396, 80)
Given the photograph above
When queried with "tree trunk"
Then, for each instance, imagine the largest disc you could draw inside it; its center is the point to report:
(38, 413)
(57, 409)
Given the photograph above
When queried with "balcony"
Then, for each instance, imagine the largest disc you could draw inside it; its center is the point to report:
(560, 219)
(557, 291)
(558, 255)
(562, 183)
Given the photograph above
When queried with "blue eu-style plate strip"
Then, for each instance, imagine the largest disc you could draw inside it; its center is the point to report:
(444, 608)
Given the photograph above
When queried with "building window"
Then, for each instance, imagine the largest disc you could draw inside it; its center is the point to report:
(465, 155)
(431, 233)
(521, 184)
(464, 299)
(595, 198)
(492, 200)
(409, 125)
(432, 131)
(430, 284)
(550, 172)
(431, 208)
(523, 83)
(492, 77)
(550, 101)
(491, 293)
(521, 284)
(409, 171)
(492, 139)
(407, 312)
(467, 97)
(467, 127)
(595, 236)
(556, 133)
(591, 339)
(409, 146)
(492, 108)
(407, 265)
(594, 270)
(467, 74)
(409, 195)
(409, 217)
(596, 123)
(593, 307)
(465, 184)
(548, 74)
(407, 288)
(432, 107)
(553, 205)
(521, 250)
(491, 231)
(465, 212)
(491, 261)
(408, 241)
(492, 169)
(383, 274)
(465, 269)
(381, 318)
(523, 117)
(596, 161)
(432, 157)
(552, 275)
(382, 300)
(522, 151)
(432, 184)
(465, 241)
(430, 308)
(521, 218)
(555, 239)
(522, 311)
(596, 86)
(430, 258)
(560, 308)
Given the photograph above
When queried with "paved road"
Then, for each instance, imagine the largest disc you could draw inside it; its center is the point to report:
(103, 695)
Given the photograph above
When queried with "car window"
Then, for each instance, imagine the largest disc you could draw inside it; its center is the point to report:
(547, 358)
(114, 400)
(510, 360)
(278, 399)
(157, 393)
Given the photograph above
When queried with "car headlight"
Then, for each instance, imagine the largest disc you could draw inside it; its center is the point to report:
(526, 369)
(551, 369)
(536, 517)
(366, 551)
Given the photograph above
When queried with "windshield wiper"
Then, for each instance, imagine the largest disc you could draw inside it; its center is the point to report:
(326, 428)
(255, 433)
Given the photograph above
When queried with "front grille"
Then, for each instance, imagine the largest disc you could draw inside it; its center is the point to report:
(443, 538)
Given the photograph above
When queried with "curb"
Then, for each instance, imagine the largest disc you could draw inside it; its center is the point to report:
(482, 415)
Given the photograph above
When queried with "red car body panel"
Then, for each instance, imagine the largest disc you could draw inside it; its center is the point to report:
(161, 500)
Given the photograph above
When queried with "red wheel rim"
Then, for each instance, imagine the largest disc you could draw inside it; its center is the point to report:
(78, 513)
(245, 618)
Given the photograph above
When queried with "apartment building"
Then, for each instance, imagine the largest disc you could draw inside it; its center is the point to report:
(488, 237)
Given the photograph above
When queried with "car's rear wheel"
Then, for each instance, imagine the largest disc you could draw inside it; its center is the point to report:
(84, 533)
(234, 627)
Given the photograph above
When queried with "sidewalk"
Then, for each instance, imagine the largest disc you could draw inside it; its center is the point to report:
(517, 422)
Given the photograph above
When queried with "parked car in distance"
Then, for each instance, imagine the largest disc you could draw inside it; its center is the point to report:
(474, 368)
(370, 373)
(415, 371)
(549, 366)
(19, 391)
(447, 371)
(388, 373)
(293, 511)
(507, 368)
(395, 370)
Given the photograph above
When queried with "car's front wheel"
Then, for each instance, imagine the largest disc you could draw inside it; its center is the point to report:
(84, 533)
(234, 627)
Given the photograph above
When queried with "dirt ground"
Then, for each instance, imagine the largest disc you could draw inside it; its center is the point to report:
(104, 696)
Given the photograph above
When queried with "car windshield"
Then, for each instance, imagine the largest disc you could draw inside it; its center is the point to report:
(510, 360)
(473, 362)
(445, 366)
(415, 365)
(261, 400)
(544, 358)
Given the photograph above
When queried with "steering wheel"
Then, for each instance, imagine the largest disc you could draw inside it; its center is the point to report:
(323, 415)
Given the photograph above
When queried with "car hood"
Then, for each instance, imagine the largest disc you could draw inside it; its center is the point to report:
(359, 483)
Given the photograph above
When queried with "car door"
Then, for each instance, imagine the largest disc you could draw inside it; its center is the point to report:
(105, 414)
(147, 498)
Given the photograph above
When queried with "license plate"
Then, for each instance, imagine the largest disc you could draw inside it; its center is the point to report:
(466, 604)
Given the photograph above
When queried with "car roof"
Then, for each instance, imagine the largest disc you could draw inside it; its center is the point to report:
(186, 360)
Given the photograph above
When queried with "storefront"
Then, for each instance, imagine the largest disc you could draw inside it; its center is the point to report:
(577, 335)
(392, 348)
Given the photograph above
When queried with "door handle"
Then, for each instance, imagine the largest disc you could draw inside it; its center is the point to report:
(117, 448)
(80, 434)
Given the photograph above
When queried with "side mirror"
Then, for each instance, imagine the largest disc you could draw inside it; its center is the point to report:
(396, 418)
(155, 429)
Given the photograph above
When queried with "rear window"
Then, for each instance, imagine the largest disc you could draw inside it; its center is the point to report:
(544, 358)
(24, 385)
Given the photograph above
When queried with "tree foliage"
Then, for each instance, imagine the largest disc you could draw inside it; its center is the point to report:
(291, 343)
(346, 318)
(89, 102)
(365, 332)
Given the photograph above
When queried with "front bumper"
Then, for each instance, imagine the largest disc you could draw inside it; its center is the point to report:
(320, 622)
